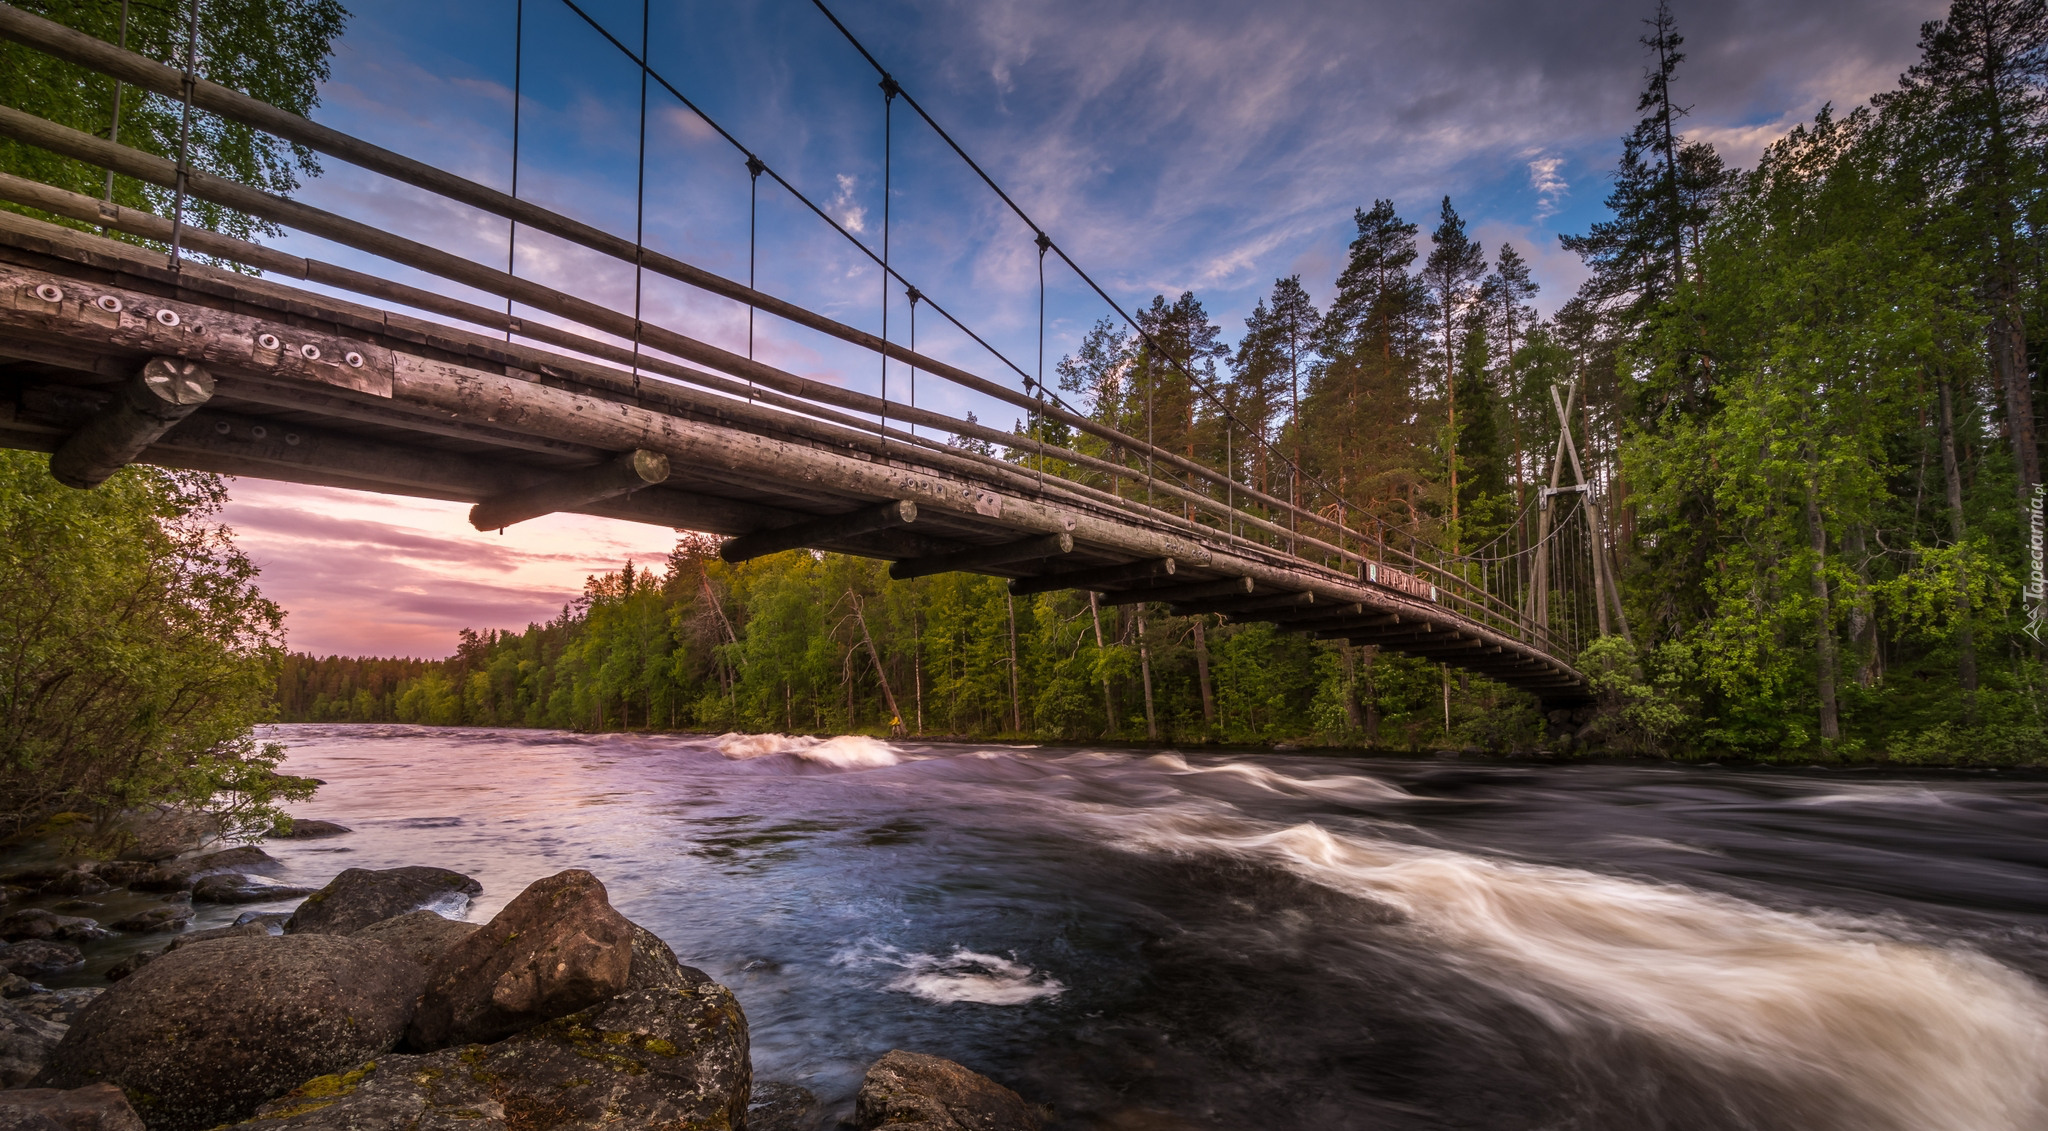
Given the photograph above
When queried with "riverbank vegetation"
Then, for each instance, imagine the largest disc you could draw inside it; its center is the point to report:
(1807, 391)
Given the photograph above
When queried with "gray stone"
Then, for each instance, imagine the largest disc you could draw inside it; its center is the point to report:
(95, 1107)
(78, 881)
(38, 959)
(238, 931)
(228, 887)
(907, 1091)
(423, 936)
(131, 964)
(60, 1006)
(784, 1107)
(12, 892)
(306, 828)
(35, 923)
(671, 1057)
(360, 896)
(210, 1030)
(25, 1043)
(180, 875)
(14, 985)
(558, 947)
(170, 917)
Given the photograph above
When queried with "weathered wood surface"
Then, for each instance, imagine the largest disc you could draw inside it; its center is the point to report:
(143, 408)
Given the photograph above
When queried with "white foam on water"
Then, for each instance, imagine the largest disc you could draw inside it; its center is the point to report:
(1886, 1034)
(1352, 787)
(846, 751)
(962, 976)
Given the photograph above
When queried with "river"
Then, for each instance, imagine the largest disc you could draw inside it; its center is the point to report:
(1255, 940)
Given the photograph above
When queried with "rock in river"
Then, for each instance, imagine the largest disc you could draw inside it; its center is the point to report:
(907, 1091)
(359, 897)
(558, 947)
(180, 875)
(35, 923)
(206, 1032)
(306, 828)
(169, 917)
(96, 1107)
(671, 1056)
(231, 887)
(38, 959)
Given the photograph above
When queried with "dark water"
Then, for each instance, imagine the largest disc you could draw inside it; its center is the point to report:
(1261, 941)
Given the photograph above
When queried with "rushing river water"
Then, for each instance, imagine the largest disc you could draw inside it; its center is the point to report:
(1283, 941)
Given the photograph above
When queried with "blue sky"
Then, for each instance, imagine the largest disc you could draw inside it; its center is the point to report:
(1167, 146)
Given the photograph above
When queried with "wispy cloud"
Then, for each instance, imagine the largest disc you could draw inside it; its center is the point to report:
(1546, 176)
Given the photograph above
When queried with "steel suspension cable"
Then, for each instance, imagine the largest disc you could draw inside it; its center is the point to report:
(185, 137)
(640, 190)
(518, 79)
(889, 90)
(1145, 336)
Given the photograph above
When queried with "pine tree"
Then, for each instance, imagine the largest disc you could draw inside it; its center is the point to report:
(1452, 273)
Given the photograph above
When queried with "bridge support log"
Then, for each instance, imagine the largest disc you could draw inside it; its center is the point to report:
(1090, 578)
(1043, 546)
(1241, 604)
(622, 476)
(1176, 594)
(148, 405)
(829, 528)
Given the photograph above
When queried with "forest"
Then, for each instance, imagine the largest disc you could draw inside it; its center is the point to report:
(1807, 392)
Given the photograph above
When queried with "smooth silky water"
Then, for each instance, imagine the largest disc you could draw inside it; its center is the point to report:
(1284, 941)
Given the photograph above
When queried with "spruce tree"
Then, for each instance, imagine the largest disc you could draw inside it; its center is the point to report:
(1452, 273)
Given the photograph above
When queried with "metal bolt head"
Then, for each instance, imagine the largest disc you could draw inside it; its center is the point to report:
(259, 431)
(354, 359)
(168, 318)
(310, 352)
(292, 438)
(268, 341)
(108, 303)
(221, 427)
(50, 292)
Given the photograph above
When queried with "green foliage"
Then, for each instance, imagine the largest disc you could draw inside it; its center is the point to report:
(137, 651)
(274, 50)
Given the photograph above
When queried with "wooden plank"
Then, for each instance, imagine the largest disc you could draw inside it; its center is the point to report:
(813, 531)
(1090, 578)
(982, 557)
(1173, 594)
(621, 476)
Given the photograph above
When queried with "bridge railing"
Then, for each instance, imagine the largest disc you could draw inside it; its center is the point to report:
(1213, 503)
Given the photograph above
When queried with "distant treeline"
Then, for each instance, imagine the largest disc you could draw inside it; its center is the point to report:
(804, 642)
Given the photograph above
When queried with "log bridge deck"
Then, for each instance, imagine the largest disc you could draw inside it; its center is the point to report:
(107, 356)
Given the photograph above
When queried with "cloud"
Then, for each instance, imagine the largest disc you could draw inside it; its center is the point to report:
(852, 216)
(1547, 178)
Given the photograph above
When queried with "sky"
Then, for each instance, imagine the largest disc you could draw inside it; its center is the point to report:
(1166, 145)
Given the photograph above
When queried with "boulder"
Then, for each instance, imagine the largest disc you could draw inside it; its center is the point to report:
(96, 1107)
(230, 887)
(360, 896)
(78, 881)
(783, 1107)
(11, 892)
(423, 936)
(557, 948)
(170, 917)
(180, 875)
(668, 1057)
(907, 1091)
(206, 1032)
(34, 878)
(306, 828)
(14, 985)
(35, 923)
(25, 1043)
(121, 873)
(37, 959)
(61, 1006)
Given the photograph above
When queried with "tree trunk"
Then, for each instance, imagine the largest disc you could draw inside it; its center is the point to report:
(1862, 625)
(881, 674)
(1824, 643)
(1145, 670)
(1202, 674)
(2009, 361)
(1966, 643)
(1108, 701)
(1016, 698)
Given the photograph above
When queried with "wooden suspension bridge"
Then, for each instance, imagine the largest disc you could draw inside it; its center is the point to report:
(113, 352)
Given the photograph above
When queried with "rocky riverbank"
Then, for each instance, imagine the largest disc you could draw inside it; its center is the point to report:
(374, 1005)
